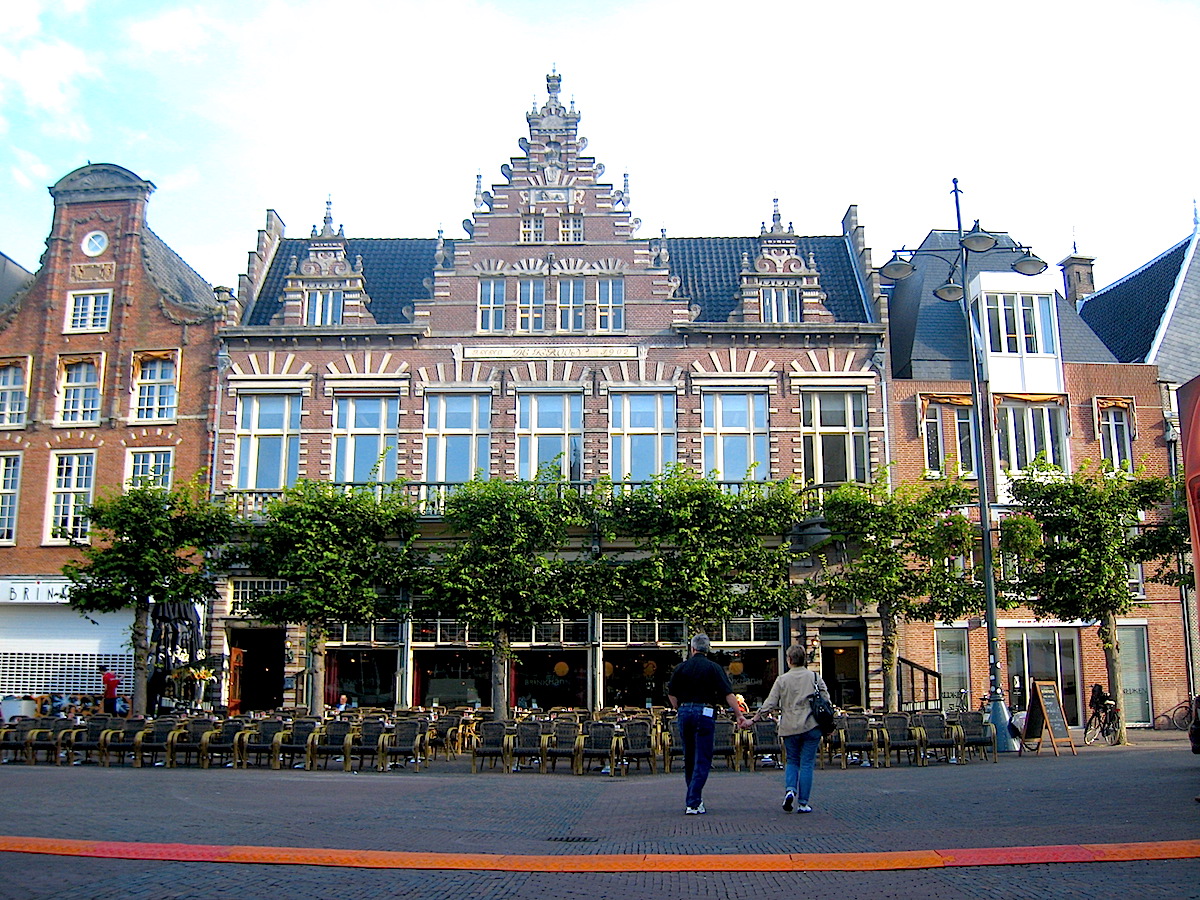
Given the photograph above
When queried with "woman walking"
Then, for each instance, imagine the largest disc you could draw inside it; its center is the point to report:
(801, 737)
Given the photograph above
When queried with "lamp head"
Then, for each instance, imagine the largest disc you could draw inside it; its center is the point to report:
(977, 240)
(897, 268)
(1029, 264)
(951, 291)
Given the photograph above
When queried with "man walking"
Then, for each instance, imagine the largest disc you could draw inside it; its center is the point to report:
(697, 688)
(111, 683)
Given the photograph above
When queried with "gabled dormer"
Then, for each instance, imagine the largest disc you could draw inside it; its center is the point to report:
(781, 284)
(324, 287)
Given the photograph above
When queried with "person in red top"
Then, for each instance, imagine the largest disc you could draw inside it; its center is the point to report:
(111, 683)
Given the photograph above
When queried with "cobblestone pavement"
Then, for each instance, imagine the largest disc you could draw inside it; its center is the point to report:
(1143, 792)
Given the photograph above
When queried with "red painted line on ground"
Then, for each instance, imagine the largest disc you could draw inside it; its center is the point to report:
(779, 862)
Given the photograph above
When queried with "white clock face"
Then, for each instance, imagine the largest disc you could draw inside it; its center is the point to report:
(95, 243)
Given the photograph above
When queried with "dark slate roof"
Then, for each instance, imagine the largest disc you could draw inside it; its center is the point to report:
(395, 270)
(929, 337)
(175, 278)
(1128, 313)
(709, 273)
(13, 279)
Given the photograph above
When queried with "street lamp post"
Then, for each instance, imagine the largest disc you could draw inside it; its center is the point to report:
(978, 241)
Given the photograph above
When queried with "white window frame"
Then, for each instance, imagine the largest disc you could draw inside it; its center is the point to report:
(79, 399)
(531, 304)
(571, 303)
(155, 399)
(832, 447)
(538, 433)
(72, 481)
(533, 229)
(570, 229)
(642, 430)
(731, 419)
(149, 466)
(454, 422)
(1116, 437)
(1023, 430)
(380, 441)
(1020, 323)
(935, 444)
(14, 397)
(782, 305)
(10, 492)
(88, 312)
(251, 437)
(324, 306)
(491, 304)
(610, 304)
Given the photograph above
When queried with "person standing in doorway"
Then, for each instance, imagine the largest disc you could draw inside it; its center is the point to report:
(111, 683)
(698, 686)
(790, 694)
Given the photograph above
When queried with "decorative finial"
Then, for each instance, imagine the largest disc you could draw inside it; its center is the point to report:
(478, 190)
(327, 228)
(1195, 215)
(625, 192)
(776, 219)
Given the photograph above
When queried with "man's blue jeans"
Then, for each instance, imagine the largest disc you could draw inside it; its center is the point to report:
(801, 757)
(696, 730)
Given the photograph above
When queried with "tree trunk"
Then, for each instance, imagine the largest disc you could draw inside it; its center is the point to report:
(140, 640)
(1112, 659)
(889, 651)
(500, 661)
(316, 665)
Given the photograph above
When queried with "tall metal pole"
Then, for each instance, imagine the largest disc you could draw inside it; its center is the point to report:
(981, 426)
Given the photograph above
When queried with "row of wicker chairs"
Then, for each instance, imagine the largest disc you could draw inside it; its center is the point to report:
(920, 736)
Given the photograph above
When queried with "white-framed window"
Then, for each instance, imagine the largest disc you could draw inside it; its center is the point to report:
(570, 230)
(366, 433)
(323, 307)
(243, 590)
(610, 304)
(531, 304)
(1116, 437)
(457, 436)
(10, 482)
(735, 436)
(1025, 430)
(1021, 323)
(88, 310)
(549, 428)
(73, 479)
(268, 441)
(781, 305)
(154, 385)
(642, 434)
(150, 467)
(533, 229)
(13, 397)
(491, 304)
(954, 663)
(964, 433)
(79, 399)
(834, 429)
(570, 304)
(935, 446)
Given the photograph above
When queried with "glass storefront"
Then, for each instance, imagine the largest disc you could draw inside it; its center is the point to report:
(1135, 673)
(1044, 654)
(549, 678)
(954, 665)
(452, 677)
(366, 676)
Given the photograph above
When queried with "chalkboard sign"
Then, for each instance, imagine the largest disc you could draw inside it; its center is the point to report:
(1045, 714)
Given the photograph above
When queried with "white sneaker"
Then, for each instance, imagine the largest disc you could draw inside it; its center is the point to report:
(695, 810)
(803, 808)
(788, 800)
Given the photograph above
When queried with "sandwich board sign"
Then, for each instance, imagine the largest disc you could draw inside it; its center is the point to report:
(1045, 716)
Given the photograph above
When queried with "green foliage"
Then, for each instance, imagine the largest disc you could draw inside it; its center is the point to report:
(508, 564)
(1077, 563)
(148, 543)
(700, 552)
(345, 552)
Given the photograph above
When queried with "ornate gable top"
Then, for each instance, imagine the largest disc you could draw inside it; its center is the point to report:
(327, 228)
(100, 181)
(553, 118)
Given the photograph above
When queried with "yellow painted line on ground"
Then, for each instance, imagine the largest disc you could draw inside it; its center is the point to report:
(777, 862)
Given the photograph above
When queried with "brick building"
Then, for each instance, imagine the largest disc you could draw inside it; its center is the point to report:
(552, 331)
(1054, 388)
(106, 376)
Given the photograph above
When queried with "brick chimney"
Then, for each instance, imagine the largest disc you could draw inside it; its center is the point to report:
(1077, 277)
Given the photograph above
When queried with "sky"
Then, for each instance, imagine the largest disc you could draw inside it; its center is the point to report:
(1068, 124)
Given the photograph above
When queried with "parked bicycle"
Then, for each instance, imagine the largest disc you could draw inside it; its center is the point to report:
(1104, 721)
(1179, 716)
(961, 706)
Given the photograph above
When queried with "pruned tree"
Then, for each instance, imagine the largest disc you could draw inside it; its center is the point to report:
(347, 554)
(148, 544)
(508, 563)
(1076, 543)
(908, 551)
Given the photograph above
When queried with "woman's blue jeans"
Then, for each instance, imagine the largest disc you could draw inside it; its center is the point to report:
(801, 758)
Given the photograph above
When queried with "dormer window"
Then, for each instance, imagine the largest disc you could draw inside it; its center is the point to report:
(533, 229)
(781, 305)
(323, 307)
(1020, 323)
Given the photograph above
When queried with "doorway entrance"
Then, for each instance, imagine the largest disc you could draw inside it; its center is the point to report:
(1044, 654)
(260, 683)
(841, 667)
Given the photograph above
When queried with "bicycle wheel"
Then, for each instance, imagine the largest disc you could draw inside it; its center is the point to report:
(1112, 732)
(1181, 716)
(1091, 731)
